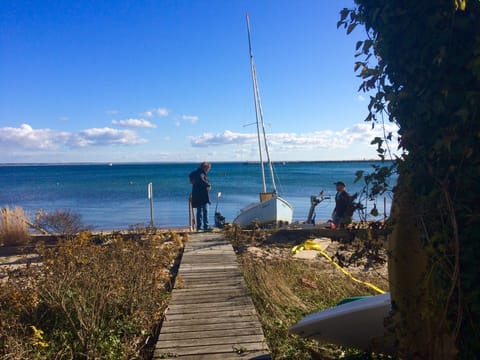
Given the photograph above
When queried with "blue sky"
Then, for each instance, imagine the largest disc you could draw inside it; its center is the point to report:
(128, 81)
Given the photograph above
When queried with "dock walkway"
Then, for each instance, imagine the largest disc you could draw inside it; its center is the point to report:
(210, 314)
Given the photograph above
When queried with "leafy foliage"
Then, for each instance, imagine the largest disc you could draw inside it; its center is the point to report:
(421, 63)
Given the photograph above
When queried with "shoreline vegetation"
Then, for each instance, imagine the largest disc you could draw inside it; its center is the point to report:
(51, 308)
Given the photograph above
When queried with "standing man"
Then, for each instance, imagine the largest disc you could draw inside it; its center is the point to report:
(200, 194)
(342, 201)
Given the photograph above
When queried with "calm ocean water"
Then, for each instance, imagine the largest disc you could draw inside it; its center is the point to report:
(115, 197)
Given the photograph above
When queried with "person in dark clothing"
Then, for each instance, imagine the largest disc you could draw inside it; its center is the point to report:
(200, 194)
(342, 201)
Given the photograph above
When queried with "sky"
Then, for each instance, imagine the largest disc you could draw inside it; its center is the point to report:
(169, 81)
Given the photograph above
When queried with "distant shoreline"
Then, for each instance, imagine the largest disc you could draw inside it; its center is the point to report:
(246, 162)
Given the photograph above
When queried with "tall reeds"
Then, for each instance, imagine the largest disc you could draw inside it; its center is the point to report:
(13, 226)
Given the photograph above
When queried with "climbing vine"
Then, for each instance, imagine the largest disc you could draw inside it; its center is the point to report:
(420, 64)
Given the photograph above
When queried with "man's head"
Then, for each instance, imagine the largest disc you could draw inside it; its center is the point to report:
(340, 185)
(205, 166)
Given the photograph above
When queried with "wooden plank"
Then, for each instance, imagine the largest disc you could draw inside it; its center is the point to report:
(194, 322)
(221, 293)
(193, 285)
(251, 355)
(219, 272)
(207, 292)
(244, 300)
(238, 348)
(214, 314)
(212, 333)
(223, 340)
(194, 309)
(173, 328)
(208, 299)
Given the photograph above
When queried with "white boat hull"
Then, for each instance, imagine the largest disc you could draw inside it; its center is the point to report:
(272, 211)
(358, 324)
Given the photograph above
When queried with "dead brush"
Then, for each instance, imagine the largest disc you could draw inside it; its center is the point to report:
(13, 227)
(93, 301)
(284, 290)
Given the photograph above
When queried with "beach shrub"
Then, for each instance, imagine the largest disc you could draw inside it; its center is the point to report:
(64, 222)
(89, 301)
(13, 226)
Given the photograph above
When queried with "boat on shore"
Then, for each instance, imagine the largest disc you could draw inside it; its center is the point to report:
(359, 323)
(271, 209)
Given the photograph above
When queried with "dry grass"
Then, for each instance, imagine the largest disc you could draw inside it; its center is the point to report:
(13, 227)
(285, 289)
(89, 300)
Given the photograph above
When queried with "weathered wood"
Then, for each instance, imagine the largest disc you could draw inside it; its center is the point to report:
(213, 333)
(225, 356)
(194, 309)
(228, 348)
(223, 340)
(208, 321)
(210, 315)
(168, 329)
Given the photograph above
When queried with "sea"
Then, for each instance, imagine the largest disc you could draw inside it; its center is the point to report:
(115, 196)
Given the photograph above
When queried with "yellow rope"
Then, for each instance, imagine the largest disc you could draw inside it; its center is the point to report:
(312, 245)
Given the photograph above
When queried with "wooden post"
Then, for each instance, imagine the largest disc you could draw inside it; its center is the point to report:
(191, 214)
(150, 198)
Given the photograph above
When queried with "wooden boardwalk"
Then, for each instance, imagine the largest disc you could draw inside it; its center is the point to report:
(210, 315)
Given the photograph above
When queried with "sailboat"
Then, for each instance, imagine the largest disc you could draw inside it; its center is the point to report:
(271, 209)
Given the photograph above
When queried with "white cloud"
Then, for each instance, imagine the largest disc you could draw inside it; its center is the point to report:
(325, 139)
(162, 112)
(360, 98)
(147, 113)
(134, 123)
(226, 138)
(26, 137)
(108, 136)
(112, 112)
(191, 118)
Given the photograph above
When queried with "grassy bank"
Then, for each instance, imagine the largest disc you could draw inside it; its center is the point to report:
(285, 289)
(88, 298)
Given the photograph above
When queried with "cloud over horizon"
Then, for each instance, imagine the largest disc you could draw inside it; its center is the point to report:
(315, 140)
(26, 137)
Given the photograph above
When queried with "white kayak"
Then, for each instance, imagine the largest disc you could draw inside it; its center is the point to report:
(359, 324)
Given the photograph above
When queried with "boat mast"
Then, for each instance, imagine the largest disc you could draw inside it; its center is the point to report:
(259, 114)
